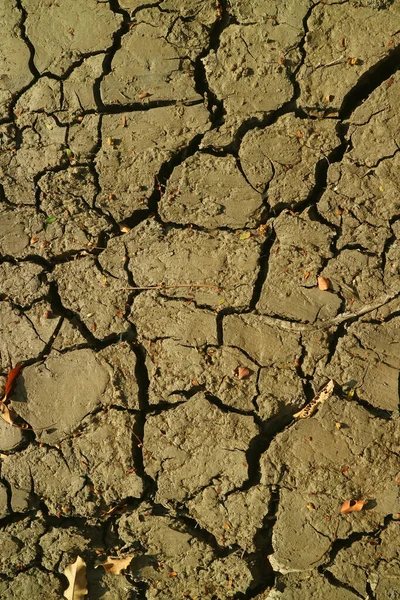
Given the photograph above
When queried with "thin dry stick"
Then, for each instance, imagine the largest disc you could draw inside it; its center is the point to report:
(162, 286)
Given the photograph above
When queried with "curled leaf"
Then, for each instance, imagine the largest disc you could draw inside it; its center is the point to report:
(76, 575)
(352, 505)
(310, 408)
(11, 377)
(115, 565)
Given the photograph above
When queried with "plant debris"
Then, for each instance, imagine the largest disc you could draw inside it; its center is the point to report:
(351, 506)
(115, 565)
(325, 393)
(76, 575)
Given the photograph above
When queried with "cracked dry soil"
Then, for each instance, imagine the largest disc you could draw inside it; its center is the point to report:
(244, 147)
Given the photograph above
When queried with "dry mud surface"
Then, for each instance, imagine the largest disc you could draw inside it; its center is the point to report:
(175, 176)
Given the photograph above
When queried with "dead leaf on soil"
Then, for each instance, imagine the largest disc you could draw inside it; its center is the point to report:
(352, 505)
(76, 575)
(242, 372)
(7, 414)
(325, 393)
(11, 378)
(115, 565)
(323, 283)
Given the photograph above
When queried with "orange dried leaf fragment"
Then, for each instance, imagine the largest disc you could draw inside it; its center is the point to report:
(323, 283)
(351, 506)
(243, 372)
(115, 565)
(11, 377)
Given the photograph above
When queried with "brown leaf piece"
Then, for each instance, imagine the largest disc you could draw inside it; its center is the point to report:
(352, 505)
(243, 372)
(115, 565)
(325, 393)
(76, 575)
(323, 283)
(11, 378)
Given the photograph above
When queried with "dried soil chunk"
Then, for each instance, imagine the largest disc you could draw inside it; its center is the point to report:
(198, 572)
(68, 196)
(41, 147)
(153, 61)
(199, 445)
(301, 246)
(130, 157)
(14, 56)
(17, 227)
(43, 96)
(307, 585)
(251, 69)
(221, 377)
(174, 367)
(290, 12)
(59, 545)
(10, 439)
(344, 41)
(266, 344)
(32, 583)
(357, 277)
(121, 365)
(3, 495)
(97, 299)
(19, 545)
(392, 280)
(374, 561)
(307, 461)
(211, 192)
(19, 340)
(78, 96)
(369, 357)
(374, 125)
(45, 322)
(362, 203)
(233, 520)
(87, 474)
(21, 283)
(158, 317)
(282, 158)
(83, 138)
(51, 393)
(184, 256)
(280, 392)
(60, 35)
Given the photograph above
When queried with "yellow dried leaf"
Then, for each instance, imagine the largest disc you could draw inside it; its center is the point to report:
(76, 575)
(7, 414)
(115, 565)
(310, 408)
(245, 235)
